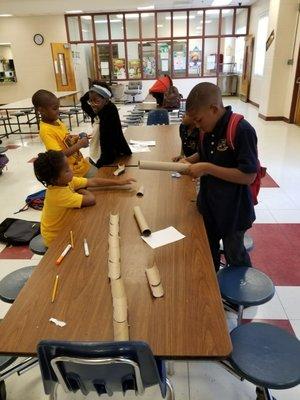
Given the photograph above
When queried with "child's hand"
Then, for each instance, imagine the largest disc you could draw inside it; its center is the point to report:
(126, 181)
(84, 142)
(183, 161)
(176, 159)
(196, 170)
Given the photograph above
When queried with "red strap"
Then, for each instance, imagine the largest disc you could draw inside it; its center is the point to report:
(231, 129)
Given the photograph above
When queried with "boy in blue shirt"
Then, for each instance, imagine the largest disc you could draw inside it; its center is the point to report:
(224, 200)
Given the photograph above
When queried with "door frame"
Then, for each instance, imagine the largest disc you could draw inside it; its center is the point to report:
(295, 91)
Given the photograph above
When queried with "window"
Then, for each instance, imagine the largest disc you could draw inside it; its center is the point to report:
(148, 30)
(116, 26)
(73, 28)
(101, 27)
(164, 24)
(164, 58)
(149, 63)
(260, 52)
(134, 63)
(179, 58)
(86, 27)
(196, 23)
(179, 24)
(132, 26)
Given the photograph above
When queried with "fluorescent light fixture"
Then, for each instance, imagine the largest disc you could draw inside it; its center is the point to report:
(160, 26)
(181, 17)
(86, 17)
(84, 30)
(146, 7)
(6, 15)
(220, 3)
(73, 11)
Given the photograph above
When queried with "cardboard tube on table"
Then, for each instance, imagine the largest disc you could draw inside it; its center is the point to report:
(121, 331)
(120, 309)
(113, 241)
(120, 170)
(114, 229)
(154, 281)
(117, 288)
(114, 270)
(163, 166)
(144, 228)
(114, 219)
(114, 253)
(140, 192)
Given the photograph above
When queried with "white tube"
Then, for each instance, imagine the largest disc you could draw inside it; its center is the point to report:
(163, 166)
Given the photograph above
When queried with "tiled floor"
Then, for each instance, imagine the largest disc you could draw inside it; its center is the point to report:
(276, 235)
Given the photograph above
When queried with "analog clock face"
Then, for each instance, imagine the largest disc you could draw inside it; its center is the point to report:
(38, 39)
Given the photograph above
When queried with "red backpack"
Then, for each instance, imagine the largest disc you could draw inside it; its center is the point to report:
(230, 138)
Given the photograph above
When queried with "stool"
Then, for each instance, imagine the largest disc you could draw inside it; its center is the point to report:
(37, 245)
(75, 112)
(5, 361)
(244, 287)
(27, 112)
(5, 121)
(267, 356)
(11, 284)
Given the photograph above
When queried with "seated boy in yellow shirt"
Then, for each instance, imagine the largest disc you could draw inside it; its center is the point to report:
(55, 136)
(64, 191)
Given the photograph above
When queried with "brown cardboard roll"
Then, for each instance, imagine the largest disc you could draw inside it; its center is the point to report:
(119, 309)
(114, 229)
(121, 331)
(113, 241)
(118, 288)
(157, 291)
(120, 170)
(114, 253)
(114, 270)
(163, 166)
(144, 228)
(153, 275)
(140, 192)
(114, 218)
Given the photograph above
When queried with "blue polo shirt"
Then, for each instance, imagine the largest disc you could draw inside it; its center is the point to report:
(227, 207)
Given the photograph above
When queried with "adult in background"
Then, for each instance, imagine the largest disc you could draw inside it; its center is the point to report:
(160, 87)
(108, 142)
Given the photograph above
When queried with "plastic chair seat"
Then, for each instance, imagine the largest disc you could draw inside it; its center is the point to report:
(37, 245)
(245, 286)
(266, 355)
(12, 284)
(158, 117)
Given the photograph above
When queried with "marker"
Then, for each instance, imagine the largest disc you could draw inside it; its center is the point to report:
(54, 289)
(86, 248)
(63, 254)
(72, 239)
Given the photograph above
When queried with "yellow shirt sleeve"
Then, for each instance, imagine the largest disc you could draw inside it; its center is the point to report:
(78, 183)
(68, 199)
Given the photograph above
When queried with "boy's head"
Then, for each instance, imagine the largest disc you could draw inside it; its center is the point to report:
(187, 120)
(47, 104)
(99, 95)
(204, 106)
(52, 168)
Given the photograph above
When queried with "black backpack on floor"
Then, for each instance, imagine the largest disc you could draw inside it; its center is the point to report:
(18, 232)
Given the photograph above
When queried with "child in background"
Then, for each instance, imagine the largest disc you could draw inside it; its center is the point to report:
(64, 191)
(189, 135)
(55, 136)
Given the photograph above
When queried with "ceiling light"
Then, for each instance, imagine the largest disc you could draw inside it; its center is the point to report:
(160, 26)
(220, 3)
(6, 15)
(73, 11)
(146, 8)
(87, 17)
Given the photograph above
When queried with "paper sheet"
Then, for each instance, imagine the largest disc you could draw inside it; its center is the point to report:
(163, 237)
(143, 142)
(137, 148)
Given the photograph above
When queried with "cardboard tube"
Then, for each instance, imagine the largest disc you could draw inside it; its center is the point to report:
(163, 166)
(114, 229)
(117, 288)
(145, 230)
(120, 170)
(113, 241)
(157, 291)
(114, 270)
(153, 275)
(114, 253)
(121, 331)
(114, 218)
(140, 192)
(120, 309)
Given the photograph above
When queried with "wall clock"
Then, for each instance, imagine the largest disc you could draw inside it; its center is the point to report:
(38, 39)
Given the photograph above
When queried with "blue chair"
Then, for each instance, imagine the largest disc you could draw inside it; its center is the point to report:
(12, 284)
(265, 355)
(37, 245)
(244, 287)
(158, 117)
(101, 367)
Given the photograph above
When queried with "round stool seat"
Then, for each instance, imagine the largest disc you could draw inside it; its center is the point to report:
(11, 284)
(3, 150)
(245, 286)
(37, 245)
(248, 243)
(266, 355)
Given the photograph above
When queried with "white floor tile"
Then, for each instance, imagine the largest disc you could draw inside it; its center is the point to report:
(286, 216)
(264, 217)
(276, 199)
(271, 310)
(296, 327)
(290, 299)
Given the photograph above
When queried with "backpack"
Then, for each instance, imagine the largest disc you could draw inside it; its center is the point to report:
(172, 98)
(18, 232)
(35, 201)
(230, 137)
(3, 161)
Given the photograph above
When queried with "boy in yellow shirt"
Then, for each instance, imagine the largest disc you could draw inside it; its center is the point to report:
(64, 191)
(55, 136)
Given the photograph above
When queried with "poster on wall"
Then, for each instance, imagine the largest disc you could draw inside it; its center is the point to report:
(134, 69)
(195, 57)
(179, 60)
(149, 66)
(119, 68)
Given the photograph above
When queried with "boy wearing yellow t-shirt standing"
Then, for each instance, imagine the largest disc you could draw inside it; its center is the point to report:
(64, 191)
(55, 135)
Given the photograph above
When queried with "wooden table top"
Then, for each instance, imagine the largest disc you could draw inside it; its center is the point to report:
(147, 106)
(168, 143)
(188, 322)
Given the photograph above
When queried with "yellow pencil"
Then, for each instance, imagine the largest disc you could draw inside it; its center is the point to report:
(54, 289)
(72, 239)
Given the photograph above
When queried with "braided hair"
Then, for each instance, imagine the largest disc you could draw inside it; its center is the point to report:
(48, 165)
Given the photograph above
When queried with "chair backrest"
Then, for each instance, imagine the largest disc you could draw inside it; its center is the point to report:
(158, 117)
(102, 367)
(134, 85)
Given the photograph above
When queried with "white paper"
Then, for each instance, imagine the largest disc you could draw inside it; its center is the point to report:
(163, 237)
(57, 322)
(143, 142)
(136, 148)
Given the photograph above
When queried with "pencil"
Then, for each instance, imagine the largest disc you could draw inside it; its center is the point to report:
(54, 289)
(86, 248)
(63, 254)
(72, 239)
